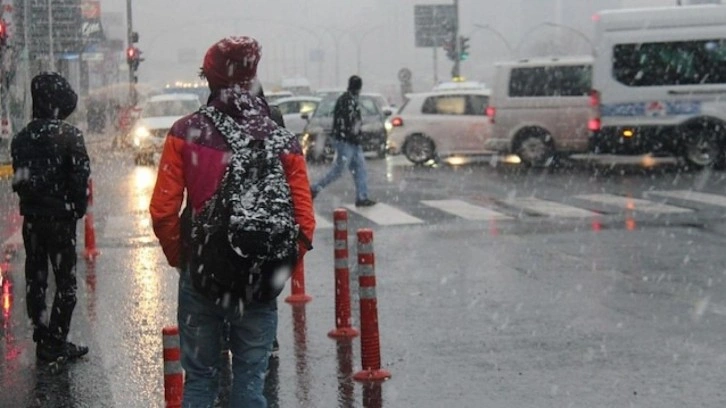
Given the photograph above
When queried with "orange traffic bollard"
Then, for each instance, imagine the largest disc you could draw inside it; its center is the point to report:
(90, 230)
(297, 285)
(369, 339)
(173, 373)
(343, 328)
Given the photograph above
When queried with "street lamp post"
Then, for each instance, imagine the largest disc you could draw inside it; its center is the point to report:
(51, 52)
(554, 25)
(496, 33)
(359, 44)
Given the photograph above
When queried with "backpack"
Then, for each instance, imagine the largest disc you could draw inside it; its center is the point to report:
(244, 240)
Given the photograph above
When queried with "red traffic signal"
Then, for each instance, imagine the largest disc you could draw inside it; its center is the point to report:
(132, 54)
(3, 32)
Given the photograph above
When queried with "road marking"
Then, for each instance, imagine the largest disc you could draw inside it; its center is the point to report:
(321, 222)
(550, 208)
(465, 210)
(704, 198)
(383, 214)
(634, 204)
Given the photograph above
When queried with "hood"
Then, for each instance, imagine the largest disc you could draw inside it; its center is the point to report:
(53, 97)
(163, 122)
(250, 111)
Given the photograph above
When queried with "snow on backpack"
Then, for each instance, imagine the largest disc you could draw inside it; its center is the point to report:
(244, 240)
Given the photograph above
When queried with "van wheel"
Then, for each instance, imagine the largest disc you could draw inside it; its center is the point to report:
(535, 149)
(702, 147)
(419, 149)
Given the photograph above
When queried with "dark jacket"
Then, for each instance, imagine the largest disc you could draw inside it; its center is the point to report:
(50, 163)
(347, 119)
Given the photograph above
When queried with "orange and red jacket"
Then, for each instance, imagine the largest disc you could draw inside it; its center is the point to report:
(194, 159)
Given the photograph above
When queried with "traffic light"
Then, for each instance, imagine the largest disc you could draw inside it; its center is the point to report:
(133, 58)
(463, 48)
(450, 48)
(3, 33)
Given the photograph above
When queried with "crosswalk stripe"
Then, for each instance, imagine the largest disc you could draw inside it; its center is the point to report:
(383, 214)
(550, 208)
(634, 204)
(321, 222)
(687, 195)
(465, 210)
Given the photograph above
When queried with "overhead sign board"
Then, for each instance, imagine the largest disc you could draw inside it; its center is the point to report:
(433, 23)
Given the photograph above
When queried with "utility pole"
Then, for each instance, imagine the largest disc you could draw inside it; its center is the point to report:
(130, 40)
(51, 53)
(456, 71)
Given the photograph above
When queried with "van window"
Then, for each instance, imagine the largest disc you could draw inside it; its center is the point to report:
(548, 81)
(446, 105)
(670, 63)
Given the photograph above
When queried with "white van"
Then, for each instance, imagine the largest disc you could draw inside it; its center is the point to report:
(660, 83)
(539, 108)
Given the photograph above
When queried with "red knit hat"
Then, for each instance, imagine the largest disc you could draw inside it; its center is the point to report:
(231, 61)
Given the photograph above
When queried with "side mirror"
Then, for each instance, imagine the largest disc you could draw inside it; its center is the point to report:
(305, 116)
(387, 112)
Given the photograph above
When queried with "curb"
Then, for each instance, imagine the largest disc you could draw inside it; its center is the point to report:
(6, 171)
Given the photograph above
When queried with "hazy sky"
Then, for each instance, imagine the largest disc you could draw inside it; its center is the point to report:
(380, 31)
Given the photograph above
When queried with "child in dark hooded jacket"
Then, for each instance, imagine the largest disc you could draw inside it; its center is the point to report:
(51, 170)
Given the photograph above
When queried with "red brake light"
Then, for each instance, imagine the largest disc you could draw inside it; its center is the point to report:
(491, 112)
(397, 122)
(594, 99)
(594, 124)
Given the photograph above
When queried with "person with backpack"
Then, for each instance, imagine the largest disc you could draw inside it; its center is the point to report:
(347, 123)
(249, 218)
(50, 175)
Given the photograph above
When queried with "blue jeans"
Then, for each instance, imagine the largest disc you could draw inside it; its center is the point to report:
(201, 324)
(350, 156)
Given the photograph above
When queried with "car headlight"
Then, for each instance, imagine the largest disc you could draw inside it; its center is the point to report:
(141, 133)
(388, 126)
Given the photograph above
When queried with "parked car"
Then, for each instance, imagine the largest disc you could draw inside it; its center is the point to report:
(659, 81)
(293, 108)
(272, 97)
(158, 114)
(316, 141)
(439, 124)
(539, 108)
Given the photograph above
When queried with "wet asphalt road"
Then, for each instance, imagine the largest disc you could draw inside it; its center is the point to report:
(625, 309)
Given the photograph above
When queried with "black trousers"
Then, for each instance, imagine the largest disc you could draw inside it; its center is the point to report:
(53, 242)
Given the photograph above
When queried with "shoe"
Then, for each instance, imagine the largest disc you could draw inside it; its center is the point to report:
(74, 351)
(275, 348)
(54, 350)
(365, 203)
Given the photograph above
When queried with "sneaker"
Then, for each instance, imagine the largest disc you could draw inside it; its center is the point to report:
(275, 348)
(53, 350)
(365, 203)
(74, 351)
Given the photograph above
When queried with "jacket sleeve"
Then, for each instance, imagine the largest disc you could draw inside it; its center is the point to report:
(80, 171)
(297, 177)
(166, 201)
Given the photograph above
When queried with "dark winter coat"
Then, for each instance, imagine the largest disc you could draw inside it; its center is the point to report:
(50, 163)
(347, 119)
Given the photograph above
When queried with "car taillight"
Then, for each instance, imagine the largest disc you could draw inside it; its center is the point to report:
(397, 122)
(594, 124)
(491, 112)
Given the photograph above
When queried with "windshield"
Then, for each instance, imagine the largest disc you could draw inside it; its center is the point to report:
(367, 105)
(154, 109)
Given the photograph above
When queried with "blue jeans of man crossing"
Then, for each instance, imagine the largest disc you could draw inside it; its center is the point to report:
(350, 156)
